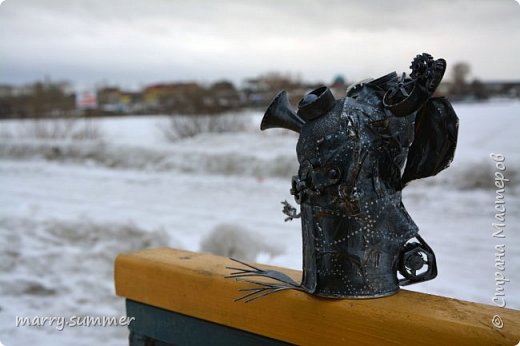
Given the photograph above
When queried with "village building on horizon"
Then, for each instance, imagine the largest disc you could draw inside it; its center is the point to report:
(59, 99)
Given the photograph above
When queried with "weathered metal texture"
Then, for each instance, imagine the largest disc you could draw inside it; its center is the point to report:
(348, 185)
(356, 230)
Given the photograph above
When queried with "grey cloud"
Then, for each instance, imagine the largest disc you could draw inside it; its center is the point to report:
(129, 40)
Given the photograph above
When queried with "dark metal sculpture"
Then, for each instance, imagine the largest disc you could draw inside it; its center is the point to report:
(356, 155)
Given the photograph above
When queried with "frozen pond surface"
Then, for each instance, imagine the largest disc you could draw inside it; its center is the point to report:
(68, 207)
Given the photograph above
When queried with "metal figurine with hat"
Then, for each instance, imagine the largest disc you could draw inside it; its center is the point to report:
(356, 155)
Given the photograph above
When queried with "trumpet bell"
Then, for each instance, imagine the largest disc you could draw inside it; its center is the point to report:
(280, 114)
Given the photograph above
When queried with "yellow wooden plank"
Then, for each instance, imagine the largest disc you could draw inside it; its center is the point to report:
(194, 284)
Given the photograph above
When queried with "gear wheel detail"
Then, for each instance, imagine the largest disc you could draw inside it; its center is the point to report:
(428, 71)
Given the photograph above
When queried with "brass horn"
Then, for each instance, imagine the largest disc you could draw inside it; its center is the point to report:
(280, 114)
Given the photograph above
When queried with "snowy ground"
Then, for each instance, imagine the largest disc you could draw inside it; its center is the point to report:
(68, 207)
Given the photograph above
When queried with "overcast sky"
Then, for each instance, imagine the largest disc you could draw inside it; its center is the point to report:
(132, 43)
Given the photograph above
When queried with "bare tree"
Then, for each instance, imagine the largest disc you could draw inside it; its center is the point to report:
(460, 72)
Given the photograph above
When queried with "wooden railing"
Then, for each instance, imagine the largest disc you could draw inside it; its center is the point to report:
(182, 298)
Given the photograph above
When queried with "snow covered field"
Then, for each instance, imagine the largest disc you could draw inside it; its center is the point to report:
(68, 207)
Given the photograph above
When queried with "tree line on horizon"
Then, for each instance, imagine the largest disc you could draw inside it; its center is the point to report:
(58, 99)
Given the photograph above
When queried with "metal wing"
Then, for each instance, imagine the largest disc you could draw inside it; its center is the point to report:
(436, 130)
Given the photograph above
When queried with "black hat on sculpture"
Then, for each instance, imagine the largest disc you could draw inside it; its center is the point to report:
(316, 103)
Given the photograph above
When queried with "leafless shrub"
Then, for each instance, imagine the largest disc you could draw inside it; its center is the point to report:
(189, 126)
(63, 128)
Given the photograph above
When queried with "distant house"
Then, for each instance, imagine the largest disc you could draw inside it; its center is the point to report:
(174, 97)
(258, 92)
(116, 101)
(504, 89)
(86, 101)
(478, 90)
